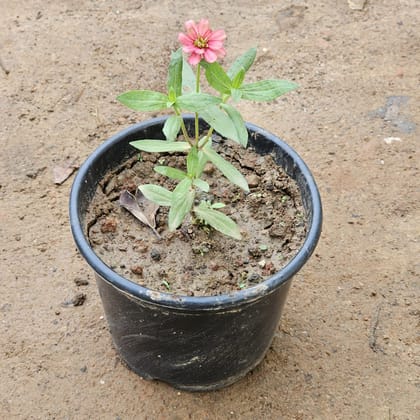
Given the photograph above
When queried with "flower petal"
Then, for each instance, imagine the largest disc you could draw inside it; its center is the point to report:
(215, 45)
(203, 27)
(194, 59)
(218, 35)
(184, 39)
(210, 56)
(189, 24)
(188, 49)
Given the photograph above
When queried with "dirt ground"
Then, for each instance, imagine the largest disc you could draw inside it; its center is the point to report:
(348, 343)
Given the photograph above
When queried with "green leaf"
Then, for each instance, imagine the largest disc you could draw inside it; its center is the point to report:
(172, 127)
(243, 62)
(175, 72)
(226, 124)
(227, 169)
(144, 100)
(241, 133)
(160, 146)
(172, 173)
(157, 194)
(217, 77)
(188, 77)
(202, 160)
(238, 79)
(203, 141)
(197, 101)
(266, 90)
(218, 205)
(171, 97)
(203, 185)
(236, 94)
(217, 220)
(181, 203)
(192, 162)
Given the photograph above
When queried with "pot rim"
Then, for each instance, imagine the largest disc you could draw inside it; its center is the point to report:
(201, 303)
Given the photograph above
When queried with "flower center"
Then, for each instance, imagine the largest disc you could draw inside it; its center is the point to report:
(201, 42)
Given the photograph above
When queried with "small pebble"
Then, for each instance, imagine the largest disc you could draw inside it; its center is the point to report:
(137, 269)
(155, 255)
(109, 225)
(208, 168)
(77, 300)
(253, 180)
(254, 278)
(254, 252)
(142, 248)
(269, 269)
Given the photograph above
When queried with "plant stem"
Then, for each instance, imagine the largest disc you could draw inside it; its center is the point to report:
(183, 128)
(197, 90)
(208, 136)
(185, 132)
(225, 98)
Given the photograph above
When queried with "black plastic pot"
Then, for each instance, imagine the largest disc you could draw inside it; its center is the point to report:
(193, 343)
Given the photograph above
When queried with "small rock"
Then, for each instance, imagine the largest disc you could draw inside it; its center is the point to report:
(269, 269)
(155, 255)
(248, 161)
(262, 263)
(141, 247)
(109, 225)
(389, 140)
(356, 4)
(200, 249)
(208, 168)
(253, 180)
(97, 241)
(254, 278)
(214, 266)
(77, 300)
(137, 269)
(276, 232)
(254, 252)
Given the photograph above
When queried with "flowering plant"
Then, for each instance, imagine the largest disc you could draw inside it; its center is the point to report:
(202, 47)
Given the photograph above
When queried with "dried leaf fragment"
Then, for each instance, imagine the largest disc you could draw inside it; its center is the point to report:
(141, 208)
(64, 170)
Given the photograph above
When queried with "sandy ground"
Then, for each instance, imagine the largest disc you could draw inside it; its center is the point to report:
(348, 343)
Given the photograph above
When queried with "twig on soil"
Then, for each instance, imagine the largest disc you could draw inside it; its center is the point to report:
(373, 332)
(3, 66)
(79, 95)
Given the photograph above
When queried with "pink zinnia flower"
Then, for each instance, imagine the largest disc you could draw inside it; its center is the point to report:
(200, 42)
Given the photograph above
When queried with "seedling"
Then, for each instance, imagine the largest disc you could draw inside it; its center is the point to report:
(201, 47)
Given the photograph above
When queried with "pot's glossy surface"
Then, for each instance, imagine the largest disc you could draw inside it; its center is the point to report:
(193, 343)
